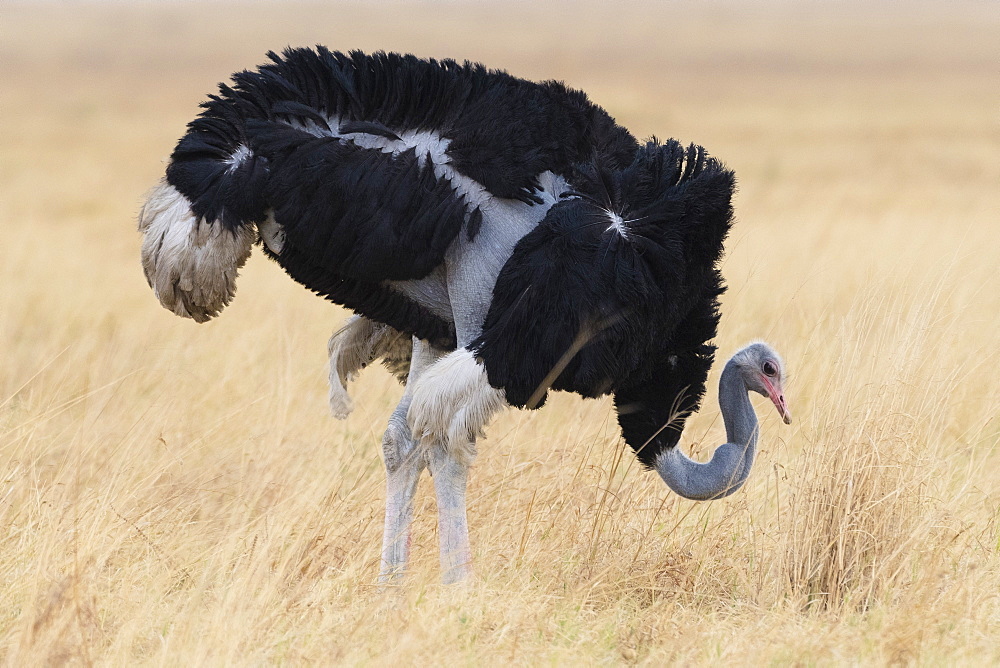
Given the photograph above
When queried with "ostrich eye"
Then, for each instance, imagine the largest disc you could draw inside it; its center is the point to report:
(769, 368)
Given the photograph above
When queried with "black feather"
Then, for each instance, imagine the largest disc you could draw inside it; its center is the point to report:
(616, 290)
(363, 216)
(588, 307)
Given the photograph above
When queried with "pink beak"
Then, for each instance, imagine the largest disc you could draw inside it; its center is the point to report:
(777, 397)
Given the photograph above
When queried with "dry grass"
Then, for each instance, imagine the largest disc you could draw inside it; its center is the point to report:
(176, 494)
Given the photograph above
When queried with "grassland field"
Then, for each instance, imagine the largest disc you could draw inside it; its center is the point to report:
(177, 494)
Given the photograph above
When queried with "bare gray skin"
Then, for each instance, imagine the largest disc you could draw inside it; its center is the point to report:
(755, 368)
(444, 440)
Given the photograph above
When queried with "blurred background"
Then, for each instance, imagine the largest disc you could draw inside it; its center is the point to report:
(836, 117)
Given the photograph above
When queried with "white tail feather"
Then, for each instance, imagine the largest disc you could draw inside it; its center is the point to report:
(190, 263)
(356, 345)
(351, 348)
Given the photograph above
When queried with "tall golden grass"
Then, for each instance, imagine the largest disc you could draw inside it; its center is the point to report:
(176, 494)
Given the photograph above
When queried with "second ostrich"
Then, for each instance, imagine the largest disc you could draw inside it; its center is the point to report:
(498, 239)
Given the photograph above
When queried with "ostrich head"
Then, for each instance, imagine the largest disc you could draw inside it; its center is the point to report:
(755, 368)
(763, 372)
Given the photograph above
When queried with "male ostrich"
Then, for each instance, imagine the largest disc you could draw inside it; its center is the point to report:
(497, 237)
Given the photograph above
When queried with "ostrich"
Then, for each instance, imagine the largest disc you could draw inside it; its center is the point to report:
(497, 239)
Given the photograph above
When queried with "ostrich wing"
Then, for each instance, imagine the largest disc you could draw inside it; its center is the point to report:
(605, 290)
(363, 213)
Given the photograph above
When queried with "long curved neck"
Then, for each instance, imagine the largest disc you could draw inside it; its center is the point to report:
(737, 411)
(730, 464)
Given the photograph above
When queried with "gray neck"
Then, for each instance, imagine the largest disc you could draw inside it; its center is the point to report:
(731, 462)
(737, 411)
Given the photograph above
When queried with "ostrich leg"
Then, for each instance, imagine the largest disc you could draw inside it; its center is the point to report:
(404, 462)
(452, 402)
(451, 475)
(446, 416)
